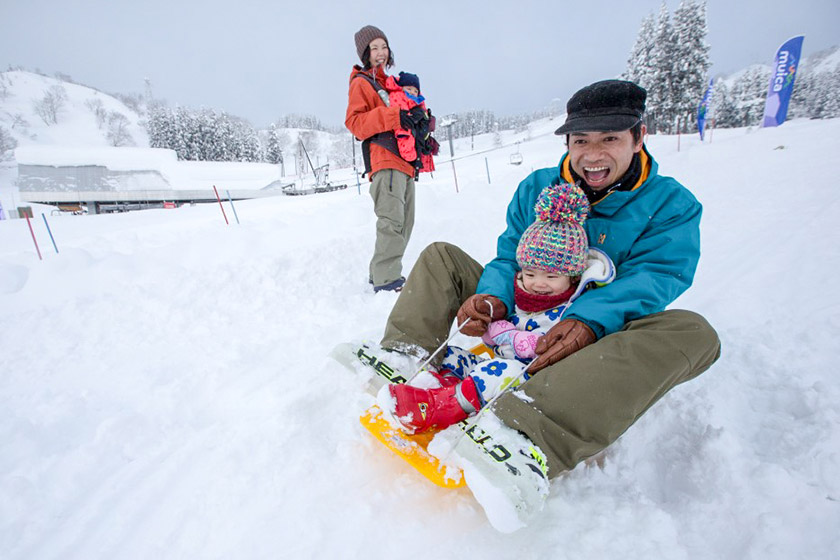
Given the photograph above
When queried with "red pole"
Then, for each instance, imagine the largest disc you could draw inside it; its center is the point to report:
(35, 241)
(220, 205)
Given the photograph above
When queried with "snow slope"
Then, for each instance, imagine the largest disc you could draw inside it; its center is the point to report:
(76, 124)
(166, 391)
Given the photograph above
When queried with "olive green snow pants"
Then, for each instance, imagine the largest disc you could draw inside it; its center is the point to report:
(580, 405)
(392, 192)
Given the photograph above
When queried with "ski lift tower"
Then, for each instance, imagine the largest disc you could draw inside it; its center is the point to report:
(447, 122)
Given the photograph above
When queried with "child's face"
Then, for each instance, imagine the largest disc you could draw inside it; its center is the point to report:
(544, 283)
(411, 90)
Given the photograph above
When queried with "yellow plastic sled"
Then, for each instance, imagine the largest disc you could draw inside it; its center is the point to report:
(412, 448)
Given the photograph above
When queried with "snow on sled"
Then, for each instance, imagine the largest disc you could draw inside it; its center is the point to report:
(412, 448)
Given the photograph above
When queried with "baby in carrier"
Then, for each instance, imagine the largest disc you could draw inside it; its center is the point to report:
(416, 143)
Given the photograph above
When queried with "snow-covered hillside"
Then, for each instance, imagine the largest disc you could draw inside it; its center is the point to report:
(78, 126)
(166, 390)
(76, 123)
(827, 60)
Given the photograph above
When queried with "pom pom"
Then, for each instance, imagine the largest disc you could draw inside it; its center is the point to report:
(564, 202)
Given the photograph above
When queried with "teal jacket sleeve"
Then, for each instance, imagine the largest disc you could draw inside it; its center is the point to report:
(658, 267)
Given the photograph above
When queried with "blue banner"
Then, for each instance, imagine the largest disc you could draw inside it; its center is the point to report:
(781, 81)
(703, 109)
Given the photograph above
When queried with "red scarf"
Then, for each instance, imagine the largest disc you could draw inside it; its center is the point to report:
(532, 303)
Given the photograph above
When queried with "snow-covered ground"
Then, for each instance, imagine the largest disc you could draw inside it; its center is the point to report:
(166, 390)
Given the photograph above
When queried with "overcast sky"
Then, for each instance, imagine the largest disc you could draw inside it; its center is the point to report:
(260, 59)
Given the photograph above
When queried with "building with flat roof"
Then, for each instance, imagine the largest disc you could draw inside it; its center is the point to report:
(110, 179)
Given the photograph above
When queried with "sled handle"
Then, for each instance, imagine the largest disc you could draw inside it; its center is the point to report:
(445, 342)
(439, 348)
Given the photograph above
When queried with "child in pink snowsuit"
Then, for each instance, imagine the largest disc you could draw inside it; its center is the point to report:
(557, 266)
(415, 145)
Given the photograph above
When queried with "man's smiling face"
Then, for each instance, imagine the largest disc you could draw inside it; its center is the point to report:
(602, 158)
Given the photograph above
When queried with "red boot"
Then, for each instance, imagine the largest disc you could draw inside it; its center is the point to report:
(421, 410)
(445, 377)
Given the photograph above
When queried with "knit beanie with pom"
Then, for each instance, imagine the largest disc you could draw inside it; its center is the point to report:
(556, 242)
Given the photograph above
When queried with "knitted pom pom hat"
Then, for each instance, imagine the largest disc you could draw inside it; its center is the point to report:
(556, 241)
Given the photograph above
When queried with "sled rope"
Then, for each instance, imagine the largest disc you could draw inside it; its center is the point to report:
(445, 342)
(439, 348)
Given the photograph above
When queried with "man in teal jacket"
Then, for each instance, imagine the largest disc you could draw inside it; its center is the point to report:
(617, 351)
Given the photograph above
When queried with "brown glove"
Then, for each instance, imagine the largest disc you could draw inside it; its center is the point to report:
(565, 338)
(477, 308)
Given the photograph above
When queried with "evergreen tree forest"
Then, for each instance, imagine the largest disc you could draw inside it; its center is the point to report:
(670, 59)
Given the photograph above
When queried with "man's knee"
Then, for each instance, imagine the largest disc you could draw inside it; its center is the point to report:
(436, 249)
(440, 252)
(691, 332)
(694, 323)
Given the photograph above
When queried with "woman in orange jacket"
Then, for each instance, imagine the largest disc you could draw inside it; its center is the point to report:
(372, 119)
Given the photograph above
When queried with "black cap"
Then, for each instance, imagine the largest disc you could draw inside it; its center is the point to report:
(605, 106)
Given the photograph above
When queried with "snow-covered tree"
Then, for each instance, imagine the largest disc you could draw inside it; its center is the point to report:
(823, 102)
(204, 135)
(50, 106)
(98, 109)
(117, 133)
(749, 93)
(341, 150)
(660, 106)
(247, 145)
(4, 86)
(470, 123)
(798, 106)
(19, 122)
(7, 144)
(724, 109)
(671, 61)
(309, 122)
(497, 138)
(274, 147)
(640, 63)
(690, 61)
(133, 101)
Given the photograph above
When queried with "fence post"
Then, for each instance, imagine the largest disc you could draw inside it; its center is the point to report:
(455, 175)
(50, 232)
(32, 231)
(452, 155)
(220, 205)
(235, 215)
